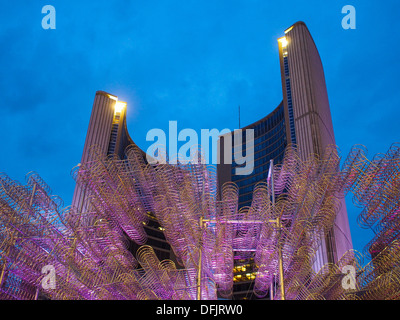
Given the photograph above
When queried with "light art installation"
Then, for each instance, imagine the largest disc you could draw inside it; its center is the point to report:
(282, 230)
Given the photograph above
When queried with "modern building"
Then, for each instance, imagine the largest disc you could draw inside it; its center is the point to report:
(108, 132)
(303, 119)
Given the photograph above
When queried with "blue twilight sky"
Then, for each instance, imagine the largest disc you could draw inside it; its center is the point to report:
(189, 61)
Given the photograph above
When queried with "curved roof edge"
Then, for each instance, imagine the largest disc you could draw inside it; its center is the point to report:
(301, 23)
(106, 94)
(129, 141)
(264, 118)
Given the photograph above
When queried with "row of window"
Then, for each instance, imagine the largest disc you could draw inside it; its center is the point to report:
(286, 66)
(262, 144)
(264, 155)
(266, 125)
(246, 186)
(277, 155)
(275, 134)
(289, 100)
(114, 133)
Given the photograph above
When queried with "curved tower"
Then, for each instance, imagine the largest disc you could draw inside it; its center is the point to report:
(308, 115)
(303, 118)
(108, 132)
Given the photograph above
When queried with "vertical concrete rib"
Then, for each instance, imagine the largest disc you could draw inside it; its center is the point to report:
(98, 134)
(312, 119)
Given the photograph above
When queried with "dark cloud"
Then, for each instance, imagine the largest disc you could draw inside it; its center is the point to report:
(190, 61)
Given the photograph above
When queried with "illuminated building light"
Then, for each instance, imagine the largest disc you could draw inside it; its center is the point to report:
(287, 30)
(119, 106)
(283, 42)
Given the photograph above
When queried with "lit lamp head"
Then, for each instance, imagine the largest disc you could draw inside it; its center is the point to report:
(283, 42)
(119, 106)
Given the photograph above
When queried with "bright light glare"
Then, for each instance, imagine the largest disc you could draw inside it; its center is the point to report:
(287, 30)
(284, 42)
(119, 106)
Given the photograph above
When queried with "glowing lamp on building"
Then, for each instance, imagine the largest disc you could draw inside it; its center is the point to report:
(119, 106)
(283, 42)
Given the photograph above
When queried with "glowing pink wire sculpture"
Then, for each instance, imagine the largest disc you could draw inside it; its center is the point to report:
(205, 228)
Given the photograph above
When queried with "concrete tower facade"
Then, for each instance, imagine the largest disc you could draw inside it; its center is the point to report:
(303, 118)
(309, 124)
(107, 131)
